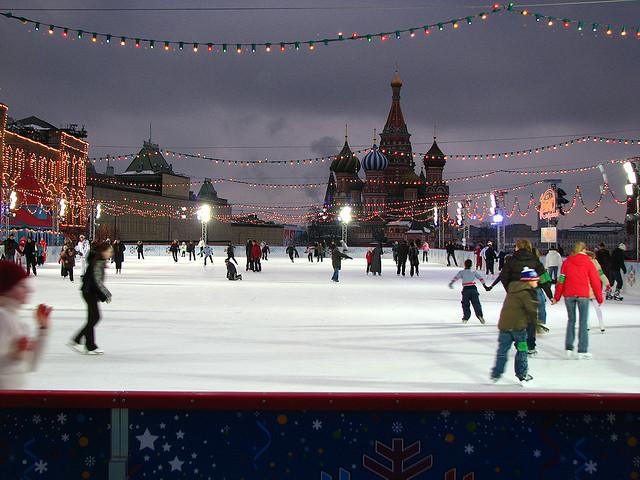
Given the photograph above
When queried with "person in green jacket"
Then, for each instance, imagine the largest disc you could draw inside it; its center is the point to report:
(519, 310)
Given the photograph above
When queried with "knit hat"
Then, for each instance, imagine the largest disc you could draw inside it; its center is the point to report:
(622, 246)
(10, 275)
(529, 275)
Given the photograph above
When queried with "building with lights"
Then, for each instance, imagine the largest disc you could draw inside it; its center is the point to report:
(43, 177)
(391, 190)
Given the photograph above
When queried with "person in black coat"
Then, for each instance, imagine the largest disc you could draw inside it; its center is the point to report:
(232, 272)
(451, 253)
(174, 250)
(376, 260)
(140, 249)
(414, 259)
(231, 253)
(10, 248)
(604, 259)
(29, 251)
(403, 253)
(291, 250)
(336, 261)
(118, 254)
(191, 249)
(490, 259)
(617, 267)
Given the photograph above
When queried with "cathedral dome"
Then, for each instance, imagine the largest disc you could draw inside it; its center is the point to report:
(375, 160)
(434, 157)
(345, 161)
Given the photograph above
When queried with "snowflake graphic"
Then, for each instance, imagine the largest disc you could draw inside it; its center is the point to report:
(396, 427)
(41, 466)
(611, 418)
(61, 418)
(64, 437)
(614, 437)
(636, 462)
(468, 449)
(587, 419)
(489, 415)
(90, 461)
(445, 413)
(316, 425)
(537, 453)
(591, 467)
(522, 414)
(226, 429)
(36, 419)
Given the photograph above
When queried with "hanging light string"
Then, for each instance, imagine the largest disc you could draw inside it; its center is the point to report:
(522, 152)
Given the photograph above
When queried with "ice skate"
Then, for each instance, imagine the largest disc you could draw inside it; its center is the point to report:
(585, 356)
(465, 320)
(542, 329)
(570, 354)
(76, 347)
(617, 296)
(533, 352)
(481, 318)
(524, 381)
(97, 351)
(608, 296)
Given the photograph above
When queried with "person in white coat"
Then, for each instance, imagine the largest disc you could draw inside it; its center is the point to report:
(201, 246)
(553, 262)
(83, 248)
(19, 352)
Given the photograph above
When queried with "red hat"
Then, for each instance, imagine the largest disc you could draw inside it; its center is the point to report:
(10, 275)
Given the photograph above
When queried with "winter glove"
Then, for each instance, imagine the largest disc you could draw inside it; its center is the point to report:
(451, 285)
(488, 289)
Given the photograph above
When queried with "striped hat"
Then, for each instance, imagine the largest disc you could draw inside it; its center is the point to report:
(529, 275)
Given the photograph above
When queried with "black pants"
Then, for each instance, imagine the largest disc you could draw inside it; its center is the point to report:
(183, 254)
(264, 256)
(257, 265)
(368, 268)
(93, 317)
(616, 278)
(310, 257)
(118, 265)
(63, 271)
(31, 264)
(531, 336)
(402, 265)
(205, 259)
(470, 296)
(192, 254)
(425, 256)
(414, 265)
(449, 257)
(291, 257)
(489, 264)
(231, 257)
(175, 256)
(69, 270)
(140, 254)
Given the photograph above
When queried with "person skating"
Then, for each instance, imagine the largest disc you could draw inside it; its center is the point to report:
(29, 252)
(290, 252)
(552, 263)
(424, 248)
(174, 250)
(93, 291)
(10, 248)
(230, 253)
(247, 249)
(501, 259)
(200, 247)
(256, 254)
(369, 258)
(19, 353)
(451, 253)
(603, 256)
(489, 259)
(309, 251)
(470, 295)
(68, 260)
(140, 249)
(83, 248)
(376, 260)
(208, 253)
(265, 251)
(191, 249)
(616, 269)
(232, 272)
(414, 259)
(336, 261)
(592, 296)
(118, 254)
(478, 253)
(42, 252)
(577, 276)
(183, 249)
(402, 252)
(394, 252)
(295, 252)
(321, 250)
(519, 310)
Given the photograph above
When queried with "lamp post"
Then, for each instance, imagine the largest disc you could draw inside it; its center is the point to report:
(204, 215)
(345, 218)
(631, 189)
(497, 218)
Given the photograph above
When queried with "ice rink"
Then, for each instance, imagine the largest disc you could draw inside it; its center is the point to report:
(289, 328)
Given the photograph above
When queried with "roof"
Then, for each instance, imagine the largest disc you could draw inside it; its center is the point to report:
(34, 123)
(434, 157)
(149, 160)
(395, 120)
(345, 161)
(375, 160)
(207, 192)
(399, 223)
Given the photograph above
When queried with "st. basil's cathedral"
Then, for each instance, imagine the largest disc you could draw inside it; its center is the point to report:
(392, 200)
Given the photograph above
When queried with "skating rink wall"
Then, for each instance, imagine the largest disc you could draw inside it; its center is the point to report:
(119, 436)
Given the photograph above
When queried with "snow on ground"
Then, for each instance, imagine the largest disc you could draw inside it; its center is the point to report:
(184, 327)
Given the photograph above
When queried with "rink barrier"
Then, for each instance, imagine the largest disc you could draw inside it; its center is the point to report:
(330, 436)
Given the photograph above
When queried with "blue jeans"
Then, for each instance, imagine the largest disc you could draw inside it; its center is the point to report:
(336, 272)
(505, 340)
(542, 310)
(553, 273)
(583, 314)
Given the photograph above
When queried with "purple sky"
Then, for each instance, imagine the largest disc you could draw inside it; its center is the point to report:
(508, 77)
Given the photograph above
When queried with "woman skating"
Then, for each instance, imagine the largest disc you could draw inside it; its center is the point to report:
(376, 260)
(118, 254)
(93, 291)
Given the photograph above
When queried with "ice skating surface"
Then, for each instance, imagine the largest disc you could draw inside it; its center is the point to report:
(184, 327)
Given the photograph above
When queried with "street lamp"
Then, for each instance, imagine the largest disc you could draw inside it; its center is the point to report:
(345, 218)
(204, 215)
(631, 189)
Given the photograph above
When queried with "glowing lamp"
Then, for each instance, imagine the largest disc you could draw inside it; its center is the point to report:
(497, 218)
(345, 214)
(204, 213)
(628, 189)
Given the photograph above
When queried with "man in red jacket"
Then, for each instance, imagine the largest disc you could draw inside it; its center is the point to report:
(576, 276)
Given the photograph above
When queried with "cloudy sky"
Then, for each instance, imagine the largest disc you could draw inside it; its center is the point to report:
(498, 85)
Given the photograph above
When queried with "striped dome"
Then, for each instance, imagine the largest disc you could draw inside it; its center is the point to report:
(375, 160)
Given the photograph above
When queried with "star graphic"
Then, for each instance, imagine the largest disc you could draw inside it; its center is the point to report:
(194, 455)
(146, 458)
(176, 464)
(166, 447)
(316, 425)
(537, 453)
(162, 425)
(180, 434)
(146, 440)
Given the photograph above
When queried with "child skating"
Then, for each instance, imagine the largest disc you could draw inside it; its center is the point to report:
(470, 295)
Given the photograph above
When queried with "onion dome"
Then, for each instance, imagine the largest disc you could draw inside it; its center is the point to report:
(375, 160)
(434, 157)
(345, 161)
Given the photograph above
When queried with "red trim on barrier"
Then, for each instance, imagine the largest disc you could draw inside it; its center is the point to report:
(321, 401)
